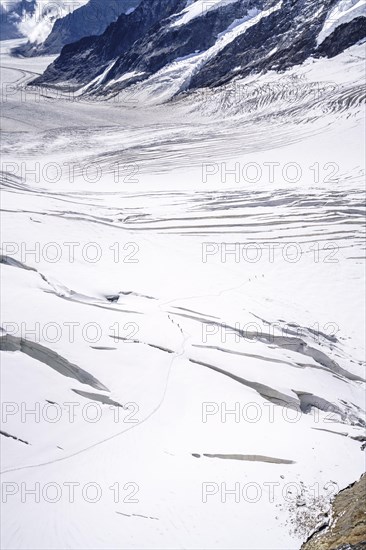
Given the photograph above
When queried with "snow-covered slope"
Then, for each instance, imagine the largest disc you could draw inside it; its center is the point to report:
(90, 18)
(181, 310)
(205, 44)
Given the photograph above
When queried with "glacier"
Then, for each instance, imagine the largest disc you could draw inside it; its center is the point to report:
(183, 286)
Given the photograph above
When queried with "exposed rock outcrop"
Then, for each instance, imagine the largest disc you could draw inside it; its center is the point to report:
(184, 47)
(347, 527)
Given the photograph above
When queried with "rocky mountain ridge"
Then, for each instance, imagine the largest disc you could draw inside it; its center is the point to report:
(170, 43)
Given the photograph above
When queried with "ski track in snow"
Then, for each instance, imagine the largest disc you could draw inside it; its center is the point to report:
(273, 332)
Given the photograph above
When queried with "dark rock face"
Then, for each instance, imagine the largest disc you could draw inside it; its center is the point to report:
(347, 528)
(343, 37)
(290, 33)
(82, 61)
(10, 17)
(281, 33)
(91, 19)
(360, 546)
(147, 40)
(152, 52)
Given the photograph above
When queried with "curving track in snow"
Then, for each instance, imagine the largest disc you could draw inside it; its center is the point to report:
(188, 321)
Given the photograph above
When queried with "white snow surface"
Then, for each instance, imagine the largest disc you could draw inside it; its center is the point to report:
(172, 210)
(198, 8)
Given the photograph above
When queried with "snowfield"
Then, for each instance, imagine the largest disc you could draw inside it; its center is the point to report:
(182, 309)
(197, 9)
